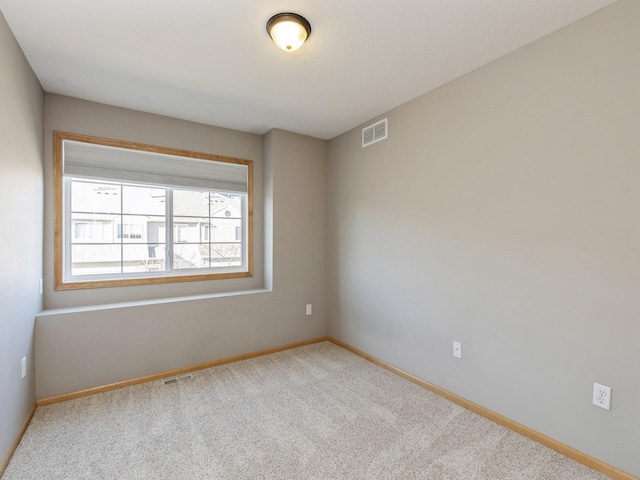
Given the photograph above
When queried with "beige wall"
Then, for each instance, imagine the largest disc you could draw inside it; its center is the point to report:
(504, 212)
(99, 336)
(21, 98)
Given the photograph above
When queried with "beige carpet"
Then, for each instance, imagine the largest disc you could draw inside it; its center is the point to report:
(315, 412)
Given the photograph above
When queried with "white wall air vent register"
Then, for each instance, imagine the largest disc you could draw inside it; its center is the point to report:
(374, 133)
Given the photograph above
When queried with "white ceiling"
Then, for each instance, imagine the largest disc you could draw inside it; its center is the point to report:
(211, 61)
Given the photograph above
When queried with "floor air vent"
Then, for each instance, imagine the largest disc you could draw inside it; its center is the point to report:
(374, 133)
(169, 381)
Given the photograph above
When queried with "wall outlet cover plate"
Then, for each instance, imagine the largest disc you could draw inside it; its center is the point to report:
(602, 396)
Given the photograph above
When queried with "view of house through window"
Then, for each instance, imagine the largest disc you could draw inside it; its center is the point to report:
(120, 228)
(116, 228)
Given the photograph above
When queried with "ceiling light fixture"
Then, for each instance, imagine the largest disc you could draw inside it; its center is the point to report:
(288, 30)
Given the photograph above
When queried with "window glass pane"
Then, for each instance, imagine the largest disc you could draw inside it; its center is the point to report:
(156, 257)
(190, 255)
(226, 254)
(132, 229)
(143, 200)
(137, 258)
(156, 236)
(226, 205)
(207, 233)
(89, 229)
(106, 240)
(95, 197)
(95, 259)
(184, 230)
(207, 230)
(225, 230)
(192, 203)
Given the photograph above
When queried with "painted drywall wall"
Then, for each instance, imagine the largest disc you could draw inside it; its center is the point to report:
(91, 338)
(503, 211)
(21, 120)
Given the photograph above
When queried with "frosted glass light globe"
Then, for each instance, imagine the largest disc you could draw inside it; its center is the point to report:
(289, 36)
(288, 30)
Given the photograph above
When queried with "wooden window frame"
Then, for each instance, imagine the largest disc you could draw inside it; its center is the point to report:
(58, 192)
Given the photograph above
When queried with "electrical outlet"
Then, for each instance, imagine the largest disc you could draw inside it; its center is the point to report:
(23, 364)
(457, 349)
(309, 309)
(602, 396)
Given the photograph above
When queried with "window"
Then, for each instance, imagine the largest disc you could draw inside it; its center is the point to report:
(131, 214)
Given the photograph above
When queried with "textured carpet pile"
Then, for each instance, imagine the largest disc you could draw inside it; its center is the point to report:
(315, 412)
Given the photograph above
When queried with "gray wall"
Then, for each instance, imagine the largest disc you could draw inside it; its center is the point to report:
(21, 117)
(94, 337)
(504, 212)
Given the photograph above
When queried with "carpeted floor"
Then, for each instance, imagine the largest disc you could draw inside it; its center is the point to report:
(315, 412)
